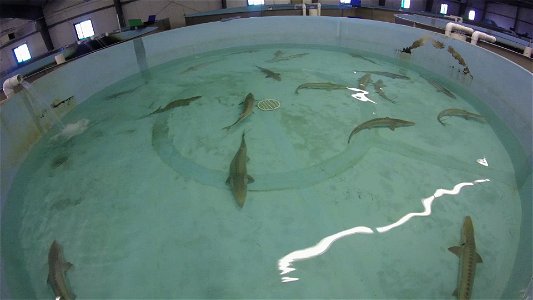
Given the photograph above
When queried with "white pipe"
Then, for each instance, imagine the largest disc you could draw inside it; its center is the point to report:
(478, 35)
(452, 26)
(527, 51)
(10, 84)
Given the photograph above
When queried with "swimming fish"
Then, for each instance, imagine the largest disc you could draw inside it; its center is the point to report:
(439, 87)
(381, 122)
(243, 52)
(364, 81)
(362, 57)
(457, 56)
(456, 112)
(118, 94)
(378, 87)
(468, 259)
(238, 178)
(174, 104)
(387, 74)
(460, 60)
(320, 86)
(59, 102)
(282, 58)
(57, 267)
(196, 67)
(249, 104)
(418, 43)
(437, 44)
(270, 74)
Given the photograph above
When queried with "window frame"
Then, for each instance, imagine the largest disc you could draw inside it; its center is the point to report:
(25, 44)
(78, 34)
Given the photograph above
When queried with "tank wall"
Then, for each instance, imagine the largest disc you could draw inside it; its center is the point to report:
(19, 126)
(511, 99)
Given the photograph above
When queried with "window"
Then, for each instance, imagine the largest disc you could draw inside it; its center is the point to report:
(444, 9)
(406, 3)
(22, 53)
(256, 2)
(84, 29)
(471, 15)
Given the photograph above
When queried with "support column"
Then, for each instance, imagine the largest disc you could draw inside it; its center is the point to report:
(485, 7)
(462, 8)
(120, 13)
(224, 5)
(40, 25)
(429, 6)
(516, 18)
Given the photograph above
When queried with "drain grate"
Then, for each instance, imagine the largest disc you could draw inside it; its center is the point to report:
(268, 104)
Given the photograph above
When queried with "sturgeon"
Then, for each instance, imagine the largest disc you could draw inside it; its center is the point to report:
(364, 81)
(378, 87)
(197, 67)
(249, 103)
(418, 43)
(381, 122)
(437, 44)
(468, 258)
(57, 267)
(362, 57)
(320, 86)
(121, 93)
(439, 87)
(174, 104)
(456, 112)
(387, 74)
(238, 178)
(270, 74)
(282, 58)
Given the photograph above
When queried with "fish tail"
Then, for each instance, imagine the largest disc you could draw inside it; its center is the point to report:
(228, 127)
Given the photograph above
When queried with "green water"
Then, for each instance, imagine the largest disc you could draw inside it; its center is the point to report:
(140, 205)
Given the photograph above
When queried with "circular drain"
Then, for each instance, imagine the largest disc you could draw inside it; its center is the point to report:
(268, 104)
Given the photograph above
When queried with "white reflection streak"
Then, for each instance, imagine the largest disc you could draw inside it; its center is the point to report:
(284, 264)
(483, 161)
(360, 95)
(427, 204)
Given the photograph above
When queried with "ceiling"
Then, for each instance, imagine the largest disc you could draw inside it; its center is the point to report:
(519, 3)
(32, 9)
(22, 9)
(39, 3)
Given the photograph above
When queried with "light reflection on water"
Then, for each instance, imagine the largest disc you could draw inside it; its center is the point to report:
(360, 95)
(285, 263)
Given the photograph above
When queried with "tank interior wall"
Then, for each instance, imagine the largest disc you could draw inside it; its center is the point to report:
(502, 85)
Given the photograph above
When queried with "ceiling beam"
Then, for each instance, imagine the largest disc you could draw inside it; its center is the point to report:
(120, 13)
